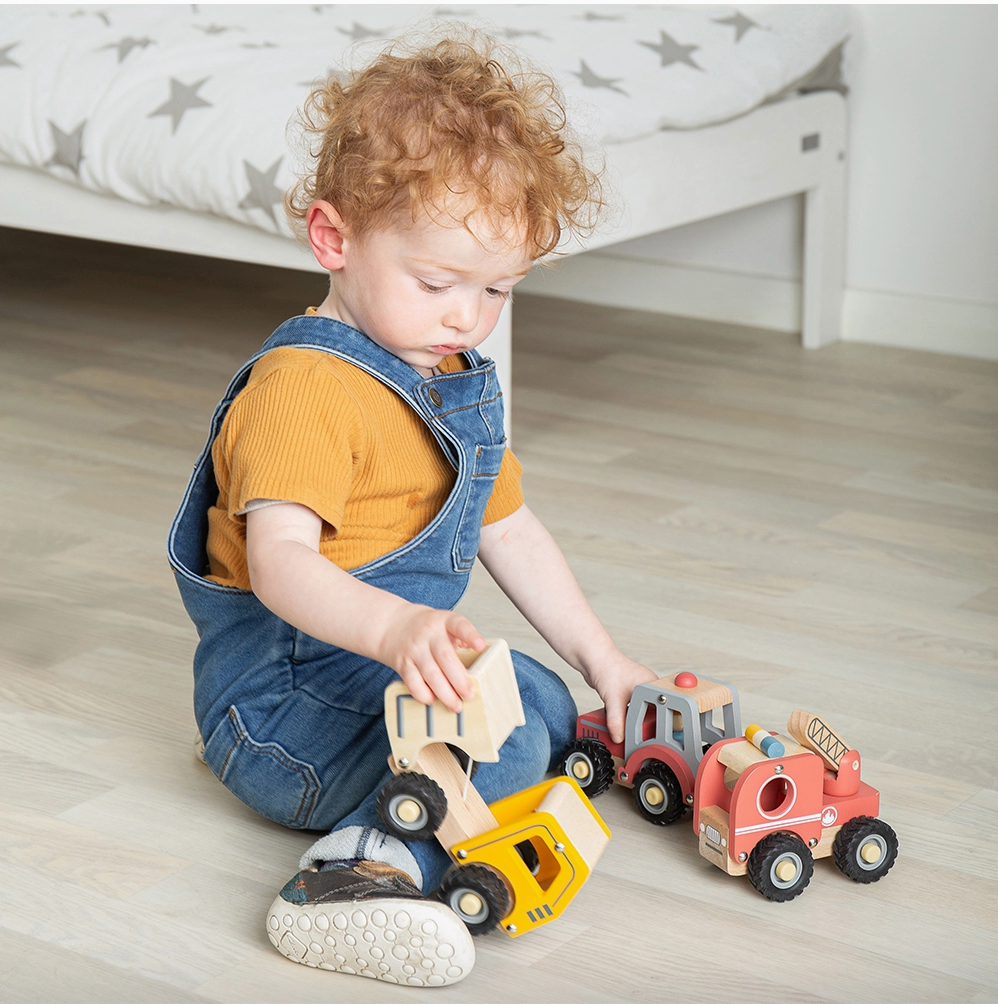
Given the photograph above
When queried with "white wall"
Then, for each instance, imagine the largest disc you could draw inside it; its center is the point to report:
(922, 227)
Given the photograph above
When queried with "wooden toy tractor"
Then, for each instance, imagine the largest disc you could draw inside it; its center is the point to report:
(669, 724)
(771, 816)
(519, 861)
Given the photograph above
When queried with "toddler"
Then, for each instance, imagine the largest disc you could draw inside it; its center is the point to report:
(355, 470)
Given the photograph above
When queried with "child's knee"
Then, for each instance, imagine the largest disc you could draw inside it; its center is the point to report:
(523, 759)
(546, 693)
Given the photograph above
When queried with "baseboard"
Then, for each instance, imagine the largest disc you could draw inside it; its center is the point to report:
(710, 294)
(929, 323)
(902, 320)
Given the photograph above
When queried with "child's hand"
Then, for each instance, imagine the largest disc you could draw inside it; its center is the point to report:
(420, 648)
(613, 679)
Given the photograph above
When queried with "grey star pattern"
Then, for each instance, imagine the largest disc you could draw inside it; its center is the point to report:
(342, 76)
(358, 32)
(5, 60)
(125, 46)
(68, 147)
(670, 51)
(183, 98)
(216, 29)
(452, 12)
(263, 192)
(590, 78)
(515, 33)
(591, 15)
(102, 14)
(259, 45)
(739, 22)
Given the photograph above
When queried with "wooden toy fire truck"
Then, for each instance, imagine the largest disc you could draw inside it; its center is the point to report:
(669, 724)
(771, 816)
(519, 861)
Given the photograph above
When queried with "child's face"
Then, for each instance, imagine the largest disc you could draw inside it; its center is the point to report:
(425, 291)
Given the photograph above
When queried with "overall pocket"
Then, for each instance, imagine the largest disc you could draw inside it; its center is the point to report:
(262, 775)
(484, 469)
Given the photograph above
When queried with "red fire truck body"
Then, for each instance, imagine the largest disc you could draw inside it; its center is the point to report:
(785, 794)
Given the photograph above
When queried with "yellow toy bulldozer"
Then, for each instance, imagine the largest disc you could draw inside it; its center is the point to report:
(518, 862)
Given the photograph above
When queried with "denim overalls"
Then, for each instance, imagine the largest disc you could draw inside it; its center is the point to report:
(293, 726)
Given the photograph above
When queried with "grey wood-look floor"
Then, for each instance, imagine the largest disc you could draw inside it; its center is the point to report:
(819, 529)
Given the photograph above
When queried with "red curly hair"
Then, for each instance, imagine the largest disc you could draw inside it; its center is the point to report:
(419, 124)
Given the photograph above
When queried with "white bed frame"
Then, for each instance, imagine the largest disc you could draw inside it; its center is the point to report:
(666, 180)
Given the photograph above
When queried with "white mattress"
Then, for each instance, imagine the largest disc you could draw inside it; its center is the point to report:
(189, 104)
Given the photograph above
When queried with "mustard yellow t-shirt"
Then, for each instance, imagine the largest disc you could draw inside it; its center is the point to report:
(312, 428)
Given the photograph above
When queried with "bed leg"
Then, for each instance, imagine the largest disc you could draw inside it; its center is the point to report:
(824, 259)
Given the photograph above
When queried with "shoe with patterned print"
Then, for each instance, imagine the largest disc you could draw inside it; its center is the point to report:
(369, 919)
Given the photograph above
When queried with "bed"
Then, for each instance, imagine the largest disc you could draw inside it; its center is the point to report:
(166, 126)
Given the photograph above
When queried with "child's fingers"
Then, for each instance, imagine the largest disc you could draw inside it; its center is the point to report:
(454, 670)
(439, 682)
(418, 687)
(464, 633)
(615, 711)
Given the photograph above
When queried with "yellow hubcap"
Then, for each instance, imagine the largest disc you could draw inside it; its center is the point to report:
(871, 852)
(654, 796)
(408, 811)
(470, 904)
(786, 871)
(580, 769)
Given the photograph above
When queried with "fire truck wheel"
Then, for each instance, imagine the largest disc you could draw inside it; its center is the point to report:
(412, 806)
(657, 794)
(477, 895)
(865, 848)
(780, 866)
(589, 762)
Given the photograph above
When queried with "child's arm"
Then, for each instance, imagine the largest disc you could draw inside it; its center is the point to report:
(291, 578)
(530, 569)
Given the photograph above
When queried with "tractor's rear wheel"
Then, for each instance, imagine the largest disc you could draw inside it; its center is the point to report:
(780, 866)
(865, 848)
(588, 762)
(657, 793)
(477, 895)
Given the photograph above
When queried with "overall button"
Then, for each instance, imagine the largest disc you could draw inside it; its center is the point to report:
(435, 397)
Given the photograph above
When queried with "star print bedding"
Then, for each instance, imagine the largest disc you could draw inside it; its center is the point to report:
(189, 105)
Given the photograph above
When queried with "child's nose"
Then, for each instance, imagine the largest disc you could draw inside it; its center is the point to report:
(463, 315)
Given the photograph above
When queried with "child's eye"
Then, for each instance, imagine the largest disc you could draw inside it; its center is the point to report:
(503, 294)
(431, 289)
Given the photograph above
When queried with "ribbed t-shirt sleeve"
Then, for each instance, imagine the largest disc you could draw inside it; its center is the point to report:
(294, 435)
(507, 495)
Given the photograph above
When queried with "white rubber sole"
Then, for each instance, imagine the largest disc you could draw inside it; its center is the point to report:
(417, 943)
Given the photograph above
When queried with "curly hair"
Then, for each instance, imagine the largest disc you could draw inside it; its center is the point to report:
(420, 124)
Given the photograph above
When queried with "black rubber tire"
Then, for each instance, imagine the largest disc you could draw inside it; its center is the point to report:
(531, 858)
(482, 882)
(853, 837)
(462, 758)
(422, 790)
(768, 854)
(594, 760)
(658, 777)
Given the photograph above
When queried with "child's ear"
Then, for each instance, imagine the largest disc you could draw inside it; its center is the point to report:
(326, 232)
